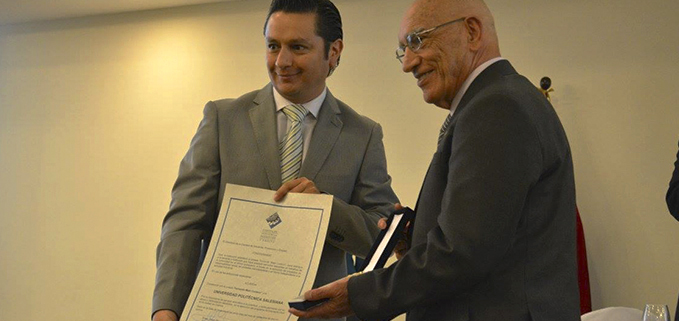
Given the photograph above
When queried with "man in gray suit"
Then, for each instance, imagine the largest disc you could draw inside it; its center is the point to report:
(290, 136)
(494, 233)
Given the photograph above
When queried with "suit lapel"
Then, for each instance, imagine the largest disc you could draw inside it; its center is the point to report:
(263, 120)
(327, 130)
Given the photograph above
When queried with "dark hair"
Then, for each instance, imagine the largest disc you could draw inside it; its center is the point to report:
(328, 19)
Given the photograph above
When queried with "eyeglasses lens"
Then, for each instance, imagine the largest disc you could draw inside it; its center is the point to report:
(414, 42)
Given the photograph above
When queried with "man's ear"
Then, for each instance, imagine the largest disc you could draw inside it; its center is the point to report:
(334, 53)
(474, 32)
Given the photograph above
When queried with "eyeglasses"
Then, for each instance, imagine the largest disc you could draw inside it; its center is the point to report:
(414, 39)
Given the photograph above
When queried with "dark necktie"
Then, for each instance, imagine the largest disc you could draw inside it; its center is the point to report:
(444, 127)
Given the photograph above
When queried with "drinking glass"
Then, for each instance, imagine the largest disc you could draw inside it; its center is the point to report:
(656, 312)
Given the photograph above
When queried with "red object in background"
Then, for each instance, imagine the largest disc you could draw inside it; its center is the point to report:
(583, 272)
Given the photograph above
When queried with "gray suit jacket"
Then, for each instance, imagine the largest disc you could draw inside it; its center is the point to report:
(494, 234)
(237, 142)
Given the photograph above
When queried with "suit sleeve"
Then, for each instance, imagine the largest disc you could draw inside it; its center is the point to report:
(191, 217)
(353, 225)
(672, 196)
(495, 158)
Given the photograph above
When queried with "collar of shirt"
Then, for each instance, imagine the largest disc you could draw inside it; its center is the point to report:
(313, 106)
(469, 80)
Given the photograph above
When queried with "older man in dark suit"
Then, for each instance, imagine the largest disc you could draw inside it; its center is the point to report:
(494, 234)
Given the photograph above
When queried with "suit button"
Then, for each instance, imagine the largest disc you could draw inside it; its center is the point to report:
(336, 237)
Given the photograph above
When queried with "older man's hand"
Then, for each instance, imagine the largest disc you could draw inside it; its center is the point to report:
(337, 307)
(402, 246)
(298, 185)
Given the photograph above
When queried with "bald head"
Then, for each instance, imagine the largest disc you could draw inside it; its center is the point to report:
(453, 38)
(444, 10)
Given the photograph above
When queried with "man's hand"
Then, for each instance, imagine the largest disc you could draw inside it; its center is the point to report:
(402, 246)
(298, 185)
(165, 315)
(337, 307)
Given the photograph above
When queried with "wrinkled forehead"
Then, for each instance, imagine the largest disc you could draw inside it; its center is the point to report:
(423, 15)
(411, 23)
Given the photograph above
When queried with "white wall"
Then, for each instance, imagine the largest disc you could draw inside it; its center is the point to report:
(95, 114)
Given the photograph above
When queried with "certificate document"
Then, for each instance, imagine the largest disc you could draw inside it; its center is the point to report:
(261, 255)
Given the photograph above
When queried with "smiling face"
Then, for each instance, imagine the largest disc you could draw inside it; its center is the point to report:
(443, 62)
(296, 57)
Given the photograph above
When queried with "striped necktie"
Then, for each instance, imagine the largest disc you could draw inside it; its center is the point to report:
(291, 147)
(444, 127)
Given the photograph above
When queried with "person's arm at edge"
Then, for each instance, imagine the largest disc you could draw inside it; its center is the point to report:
(672, 196)
(190, 218)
